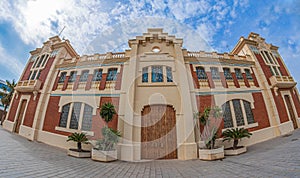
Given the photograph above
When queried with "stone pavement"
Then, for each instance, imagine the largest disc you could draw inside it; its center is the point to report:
(19, 157)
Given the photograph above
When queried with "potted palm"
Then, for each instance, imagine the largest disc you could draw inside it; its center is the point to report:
(79, 138)
(105, 148)
(235, 134)
(210, 119)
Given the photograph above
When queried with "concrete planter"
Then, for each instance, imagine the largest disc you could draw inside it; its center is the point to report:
(211, 154)
(104, 156)
(232, 152)
(83, 154)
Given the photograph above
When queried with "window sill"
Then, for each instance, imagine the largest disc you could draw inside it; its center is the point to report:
(157, 84)
(243, 126)
(89, 133)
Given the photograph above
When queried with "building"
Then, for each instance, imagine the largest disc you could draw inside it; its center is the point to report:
(3, 85)
(156, 87)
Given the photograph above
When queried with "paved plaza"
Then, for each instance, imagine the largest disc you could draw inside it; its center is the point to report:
(19, 157)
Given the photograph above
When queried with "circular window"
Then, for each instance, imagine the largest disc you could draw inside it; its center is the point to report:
(156, 49)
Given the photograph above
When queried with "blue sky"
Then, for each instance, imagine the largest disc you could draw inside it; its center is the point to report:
(204, 25)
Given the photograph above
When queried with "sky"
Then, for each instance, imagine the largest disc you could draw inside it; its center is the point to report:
(99, 26)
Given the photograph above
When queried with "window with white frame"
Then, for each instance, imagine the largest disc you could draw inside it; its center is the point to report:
(112, 74)
(72, 76)
(238, 74)
(227, 74)
(97, 75)
(38, 65)
(271, 61)
(237, 113)
(76, 116)
(84, 76)
(157, 74)
(62, 77)
(248, 74)
(215, 75)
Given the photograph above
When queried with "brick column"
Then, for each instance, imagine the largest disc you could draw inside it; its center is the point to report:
(119, 79)
(65, 83)
(236, 82)
(195, 78)
(103, 82)
(223, 80)
(76, 83)
(254, 78)
(89, 82)
(246, 80)
(55, 83)
(210, 81)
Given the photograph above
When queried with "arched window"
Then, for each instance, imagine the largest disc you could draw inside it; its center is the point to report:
(72, 118)
(237, 113)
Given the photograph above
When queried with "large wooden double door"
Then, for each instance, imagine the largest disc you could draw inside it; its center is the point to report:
(159, 139)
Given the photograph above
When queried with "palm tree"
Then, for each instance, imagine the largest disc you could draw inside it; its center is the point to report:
(79, 138)
(110, 136)
(7, 96)
(235, 135)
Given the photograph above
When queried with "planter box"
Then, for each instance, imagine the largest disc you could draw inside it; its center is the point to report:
(211, 154)
(104, 156)
(83, 154)
(231, 152)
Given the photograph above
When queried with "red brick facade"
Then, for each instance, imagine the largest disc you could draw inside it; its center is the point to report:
(31, 110)
(27, 71)
(279, 101)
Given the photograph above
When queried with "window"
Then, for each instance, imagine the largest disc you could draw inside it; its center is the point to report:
(84, 76)
(112, 74)
(72, 76)
(40, 61)
(64, 116)
(254, 49)
(36, 61)
(227, 115)
(248, 74)
(215, 73)
(72, 118)
(75, 116)
(54, 53)
(97, 75)
(157, 74)
(62, 77)
(38, 75)
(201, 73)
(248, 111)
(227, 74)
(269, 57)
(169, 74)
(45, 60)
(145, 74)
(87, 118)
(275, 70)
(29, 75)
(237, 113)
(272, 72)
(33, 75)
(238, 74)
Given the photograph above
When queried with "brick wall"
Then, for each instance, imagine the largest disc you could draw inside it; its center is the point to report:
(296, 101)
(119, 79)
(30, 111)
(45, 71)
(279, 101)
(282, 68)
(27, 71)
(13, 108)
(98, 122)
(52, 116)
(264, 67)
(259, 112)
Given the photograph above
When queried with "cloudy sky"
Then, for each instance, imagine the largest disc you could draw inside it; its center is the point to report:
(101, 25)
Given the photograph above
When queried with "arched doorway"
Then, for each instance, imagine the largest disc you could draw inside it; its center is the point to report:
(158, 133)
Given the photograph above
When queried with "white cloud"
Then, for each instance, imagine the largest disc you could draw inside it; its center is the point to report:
(9, 64)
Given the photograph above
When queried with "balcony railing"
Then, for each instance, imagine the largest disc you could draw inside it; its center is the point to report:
(28, 85)
(282, 81)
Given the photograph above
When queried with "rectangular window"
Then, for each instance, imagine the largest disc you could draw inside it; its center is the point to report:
(254, 49)
(248, 74)
(227, 115)
(275, 70)
(62, 77)
(145, 74)
(248, 111)
(238, 74)
(271, 70)
(157, 74)
(269, 57)
(64, 116)
(33, 75)
(38, 75)
(40, 61)
(201, 73)
(72, 76)
(45, 60)
(29, 75)
(278, 68)
(264, 57)
(169, 74)
(75, 115)
(35, 62)
(238, 112)
(97, 75)
(227, 74)
(87, 118)
(112, 74)
(215, 73)
(84, 76)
